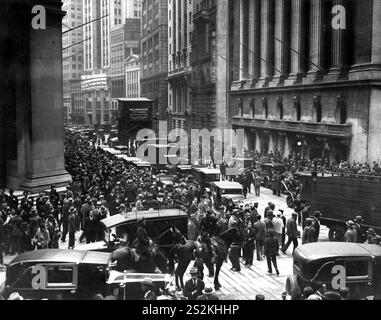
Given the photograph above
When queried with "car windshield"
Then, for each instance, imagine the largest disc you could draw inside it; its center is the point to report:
(231, 191)
(212, 177)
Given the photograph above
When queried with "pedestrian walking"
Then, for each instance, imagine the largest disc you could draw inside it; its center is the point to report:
(71, 227)
(271, 252)
(292, 233)
(260, 233)
(278, 225)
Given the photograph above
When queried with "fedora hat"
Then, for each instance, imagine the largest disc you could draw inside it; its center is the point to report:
(72, 210)
(350, 224)
(371, 231)
(193, 271)
(208, 290)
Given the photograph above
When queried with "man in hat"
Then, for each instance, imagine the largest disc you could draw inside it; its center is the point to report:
(357, 226)
(371, 236)
(208, 294)
(139, 203)
(278, 225)
(249, 244)
(316, 224)
(193, 287)
(41, 239)
(257, 184)
(90, 229)
(54, 196)
(309, 232)
(351, 233)
(71, 227)
(208, 223)
(292, 233)
(271, 251)
(235, 247)
(148, 289)
(260, 234)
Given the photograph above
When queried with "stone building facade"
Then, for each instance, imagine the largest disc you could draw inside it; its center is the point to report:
(154, 51)
(305, 76)
(180, 28)
(210, 64)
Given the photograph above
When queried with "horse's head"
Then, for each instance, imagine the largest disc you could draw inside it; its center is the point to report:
(178, 237)
(171, 235)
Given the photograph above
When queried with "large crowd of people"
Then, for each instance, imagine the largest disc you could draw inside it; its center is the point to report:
(296, 162)
(104, 186)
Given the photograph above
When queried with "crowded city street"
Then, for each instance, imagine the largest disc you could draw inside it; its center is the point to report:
(190, 150)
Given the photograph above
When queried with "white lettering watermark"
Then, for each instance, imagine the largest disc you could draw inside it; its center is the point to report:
(339, 20)
(220, 145)
(339, 280)
(39, 20)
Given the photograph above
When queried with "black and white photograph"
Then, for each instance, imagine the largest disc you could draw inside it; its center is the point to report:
(190, 150)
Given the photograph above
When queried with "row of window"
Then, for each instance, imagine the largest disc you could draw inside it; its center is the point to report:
(341, 110)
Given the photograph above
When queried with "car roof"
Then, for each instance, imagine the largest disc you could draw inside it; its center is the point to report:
(322, 250)
(119, 219)
(62, 256)
(228, 185)
(208, 170)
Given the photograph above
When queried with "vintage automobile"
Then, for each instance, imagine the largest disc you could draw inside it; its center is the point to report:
(120, 226)
(225, 190)
(205, 176)
(57, 274)
(267, 170)
(314, 266)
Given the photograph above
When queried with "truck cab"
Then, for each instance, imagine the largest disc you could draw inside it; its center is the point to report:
(316, 264)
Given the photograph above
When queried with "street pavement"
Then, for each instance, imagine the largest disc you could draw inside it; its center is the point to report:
(245, 285)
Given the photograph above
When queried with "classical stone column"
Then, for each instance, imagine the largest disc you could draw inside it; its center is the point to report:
(286, 147)
(317, 48)
(257, 142)
(102, 108)
(243, 36)
(254, 38)
(298, 17)
(376, 37)
(94, 107)
(271, 143)
(281, 42)
(267, 42)
(339, 48)
(41, 134)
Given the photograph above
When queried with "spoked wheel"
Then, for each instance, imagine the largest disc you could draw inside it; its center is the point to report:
(336, 234)
(290, 202)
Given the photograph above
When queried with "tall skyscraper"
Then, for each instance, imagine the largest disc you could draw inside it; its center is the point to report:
(154, 83)
(180, 28)
(72, 55)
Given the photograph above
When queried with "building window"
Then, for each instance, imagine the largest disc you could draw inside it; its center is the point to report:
(341, 111)
(317, 109)
(280, 108)
(252, 108)
(298, 109)
(265, 108)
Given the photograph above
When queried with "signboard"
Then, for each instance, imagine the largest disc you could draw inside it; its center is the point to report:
(139, 113)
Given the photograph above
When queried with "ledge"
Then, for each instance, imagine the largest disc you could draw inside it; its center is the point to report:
(314, 128)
